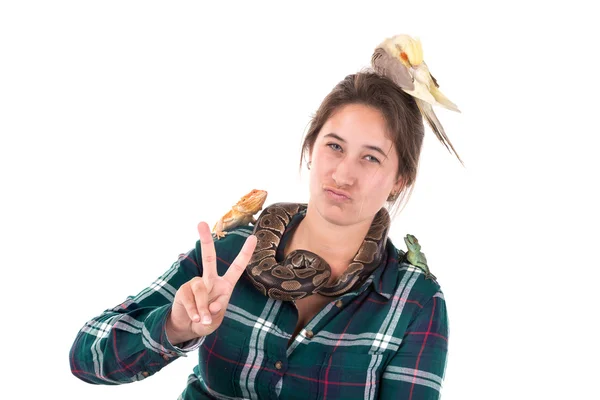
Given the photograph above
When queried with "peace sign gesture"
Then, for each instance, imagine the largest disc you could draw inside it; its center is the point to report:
(200, 303)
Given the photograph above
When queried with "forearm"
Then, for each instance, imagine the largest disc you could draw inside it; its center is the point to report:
(119, 348)
(129, 342)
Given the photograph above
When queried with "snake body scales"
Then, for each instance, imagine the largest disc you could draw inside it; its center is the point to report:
(303, 273)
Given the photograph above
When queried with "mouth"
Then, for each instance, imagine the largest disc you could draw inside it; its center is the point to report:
(336, 194)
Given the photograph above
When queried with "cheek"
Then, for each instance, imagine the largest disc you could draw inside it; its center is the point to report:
(378, 184)
(322, 154)
(324, 162)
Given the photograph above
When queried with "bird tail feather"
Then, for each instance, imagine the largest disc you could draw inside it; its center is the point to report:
(436, 126)
(443, 100)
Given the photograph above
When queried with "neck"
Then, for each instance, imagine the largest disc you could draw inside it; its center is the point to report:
(336, 244)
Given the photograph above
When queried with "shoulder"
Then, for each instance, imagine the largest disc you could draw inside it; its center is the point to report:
(234, 236)
(228, 247)
(409, 280)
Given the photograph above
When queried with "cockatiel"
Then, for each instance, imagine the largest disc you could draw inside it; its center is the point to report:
(400, 58)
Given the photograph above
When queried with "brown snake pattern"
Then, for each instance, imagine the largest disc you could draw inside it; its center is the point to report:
(303, 273)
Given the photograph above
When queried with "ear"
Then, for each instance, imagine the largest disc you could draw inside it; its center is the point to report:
(399, 184)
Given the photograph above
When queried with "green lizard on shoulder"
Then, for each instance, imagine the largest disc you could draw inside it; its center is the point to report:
(416, 257)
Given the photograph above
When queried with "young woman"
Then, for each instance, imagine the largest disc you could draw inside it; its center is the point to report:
(364, 323)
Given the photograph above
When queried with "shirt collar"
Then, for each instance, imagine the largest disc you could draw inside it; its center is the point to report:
(385, 277)
(383, 280)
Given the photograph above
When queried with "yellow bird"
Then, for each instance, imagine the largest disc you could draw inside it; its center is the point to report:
(400, 58)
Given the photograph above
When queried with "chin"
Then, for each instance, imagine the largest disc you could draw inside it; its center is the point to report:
(337, 213)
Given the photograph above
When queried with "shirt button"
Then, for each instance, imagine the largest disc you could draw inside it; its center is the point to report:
(278, 365)
(339, 304)
(309, 334)
(145, 373)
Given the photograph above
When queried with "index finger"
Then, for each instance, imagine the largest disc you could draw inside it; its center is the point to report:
(238, 266)
(209, 255)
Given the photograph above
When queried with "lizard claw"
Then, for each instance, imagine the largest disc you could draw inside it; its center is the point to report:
(430, 276)
(219, 235)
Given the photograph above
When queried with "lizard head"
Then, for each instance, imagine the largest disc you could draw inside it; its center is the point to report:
(252, 202)
(412, 243)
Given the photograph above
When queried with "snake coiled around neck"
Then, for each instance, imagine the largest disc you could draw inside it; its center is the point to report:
(303, 273)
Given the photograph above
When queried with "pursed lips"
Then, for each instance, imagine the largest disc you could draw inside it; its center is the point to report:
(337, 192)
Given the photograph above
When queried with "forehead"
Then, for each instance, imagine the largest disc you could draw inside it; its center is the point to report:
(360, 123)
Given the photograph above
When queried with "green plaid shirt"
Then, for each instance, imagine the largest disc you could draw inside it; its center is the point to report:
(386, 340)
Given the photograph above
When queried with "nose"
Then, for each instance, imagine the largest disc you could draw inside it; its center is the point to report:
(344, 174)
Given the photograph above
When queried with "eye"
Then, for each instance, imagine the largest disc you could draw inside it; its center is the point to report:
(334, 146)
(372, 159)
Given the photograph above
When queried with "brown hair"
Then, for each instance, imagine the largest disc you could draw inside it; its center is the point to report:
(402, 115)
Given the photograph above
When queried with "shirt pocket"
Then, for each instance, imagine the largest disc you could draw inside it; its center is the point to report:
(347, 375)
(219, 362)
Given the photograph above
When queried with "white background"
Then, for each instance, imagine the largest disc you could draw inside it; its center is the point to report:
(125, 123)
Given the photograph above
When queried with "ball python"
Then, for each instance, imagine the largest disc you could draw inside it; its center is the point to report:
(302, 272)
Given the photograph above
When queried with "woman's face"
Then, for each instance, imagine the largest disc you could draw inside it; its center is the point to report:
(353, 166)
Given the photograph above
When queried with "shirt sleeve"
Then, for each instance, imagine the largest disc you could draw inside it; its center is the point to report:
(128, 342)
(417, 370)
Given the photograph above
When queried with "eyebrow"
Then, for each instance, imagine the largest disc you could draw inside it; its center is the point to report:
(374, 148)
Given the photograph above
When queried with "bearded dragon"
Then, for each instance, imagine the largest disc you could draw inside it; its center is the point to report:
(415, 257)
(241, 213)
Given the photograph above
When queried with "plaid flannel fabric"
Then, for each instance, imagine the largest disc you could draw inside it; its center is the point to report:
(386, 340)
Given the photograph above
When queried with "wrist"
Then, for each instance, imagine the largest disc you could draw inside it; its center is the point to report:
(176, 336)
